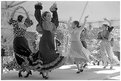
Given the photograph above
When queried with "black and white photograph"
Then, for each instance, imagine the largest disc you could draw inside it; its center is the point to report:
(60, 40)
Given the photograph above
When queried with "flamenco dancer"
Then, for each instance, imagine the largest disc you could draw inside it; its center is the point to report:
(20, 43)
(51, 59)
(77, 52)
(105, 46)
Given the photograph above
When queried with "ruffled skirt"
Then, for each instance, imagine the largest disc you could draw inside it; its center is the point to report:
(51, 59)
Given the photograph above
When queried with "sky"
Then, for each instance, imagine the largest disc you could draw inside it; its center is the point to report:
(97, 10)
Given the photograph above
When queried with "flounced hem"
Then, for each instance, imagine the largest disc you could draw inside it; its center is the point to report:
(53, 66)
(25, 66)
(52, 63)
(37, 66)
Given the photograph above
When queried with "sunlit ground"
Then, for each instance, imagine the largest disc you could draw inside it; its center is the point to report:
(68, 72)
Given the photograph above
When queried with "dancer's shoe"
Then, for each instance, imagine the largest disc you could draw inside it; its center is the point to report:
(45, 77)
(29, 73)
(19, 74)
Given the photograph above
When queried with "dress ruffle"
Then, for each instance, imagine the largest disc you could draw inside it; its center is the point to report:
(36, 66)
(53, 65)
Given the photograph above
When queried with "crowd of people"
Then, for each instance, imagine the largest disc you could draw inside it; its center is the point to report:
(47, 58)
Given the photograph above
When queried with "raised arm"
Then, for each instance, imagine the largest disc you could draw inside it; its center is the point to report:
(110, 28)
(27, 21)
(11, 21)
(12, 15)
(108, 21)
(85, 20)
(53, 9)
(37, 14)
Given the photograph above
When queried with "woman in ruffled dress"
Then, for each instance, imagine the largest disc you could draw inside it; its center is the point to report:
(51, 59)
(78, 52)
(20, 43)
(106, 51)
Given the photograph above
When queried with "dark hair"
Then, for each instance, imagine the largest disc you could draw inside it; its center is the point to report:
(76, 23)
(20, 17)
(105, 25)
(44, 14)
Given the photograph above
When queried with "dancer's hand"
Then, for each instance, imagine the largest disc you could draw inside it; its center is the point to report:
(38, 6)
(105, 19)
(108, 21)
(28, 22)
(53, 7)
(39, 3)
(85, 20)
(86, 17)
(20, 7)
